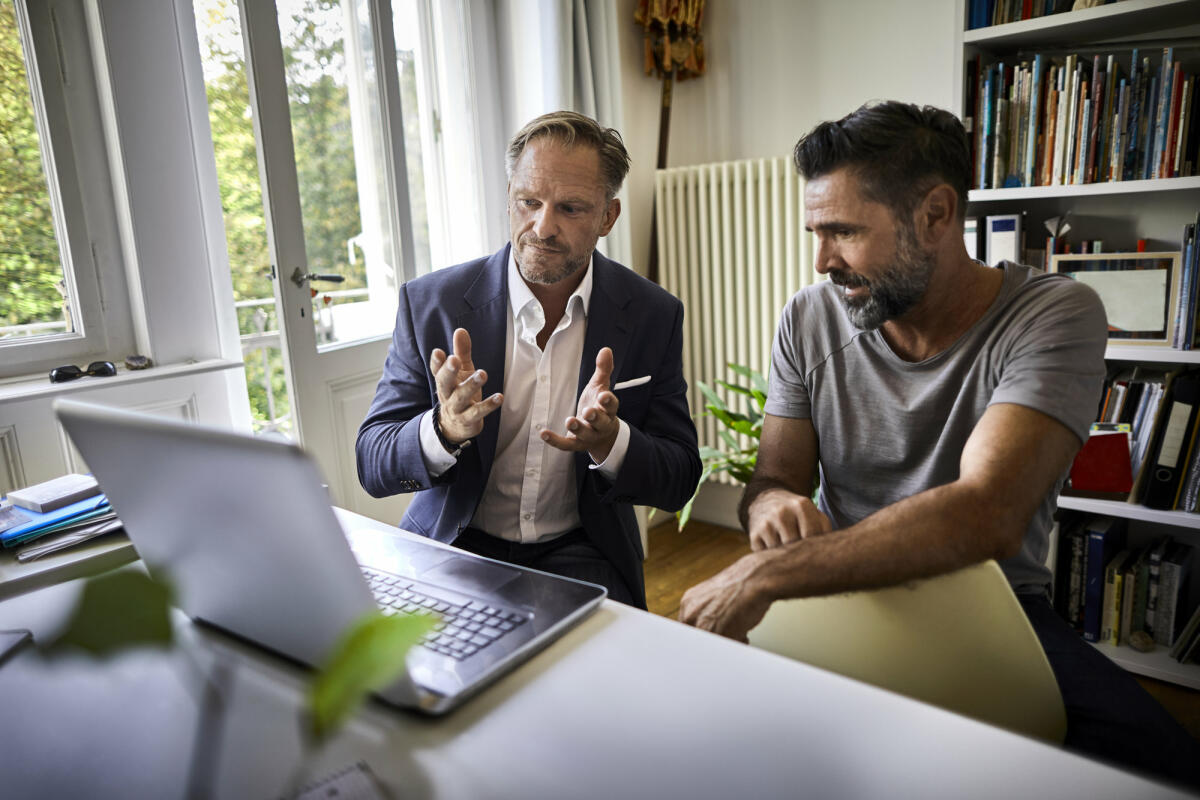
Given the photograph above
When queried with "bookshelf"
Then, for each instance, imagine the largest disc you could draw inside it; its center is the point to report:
(1116, 212)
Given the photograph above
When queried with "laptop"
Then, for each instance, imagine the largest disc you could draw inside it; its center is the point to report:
(244, 530)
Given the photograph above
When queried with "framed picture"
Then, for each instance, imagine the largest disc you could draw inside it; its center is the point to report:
(1140, 292)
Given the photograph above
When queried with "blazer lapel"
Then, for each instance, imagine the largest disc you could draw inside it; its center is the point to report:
(485, 319)
(607, 326)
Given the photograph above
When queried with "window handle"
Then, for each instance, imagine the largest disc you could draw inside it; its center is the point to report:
(300, 277)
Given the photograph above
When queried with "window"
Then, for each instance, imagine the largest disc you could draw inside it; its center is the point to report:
(50, 310)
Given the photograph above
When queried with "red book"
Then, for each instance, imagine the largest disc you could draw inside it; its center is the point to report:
(1167, 169)
(1102, 465)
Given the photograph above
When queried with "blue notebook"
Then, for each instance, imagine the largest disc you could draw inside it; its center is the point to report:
(46, 522)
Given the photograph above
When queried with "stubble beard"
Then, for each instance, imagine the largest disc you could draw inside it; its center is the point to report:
(895, 291)
(544, 268)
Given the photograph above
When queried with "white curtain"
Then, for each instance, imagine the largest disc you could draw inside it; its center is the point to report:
(551, 55)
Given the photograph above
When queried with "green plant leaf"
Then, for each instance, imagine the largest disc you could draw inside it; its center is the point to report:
(727, 437)
(117, 611)
(758, 380)
(733, 387)
(713, 398)
(369, 656)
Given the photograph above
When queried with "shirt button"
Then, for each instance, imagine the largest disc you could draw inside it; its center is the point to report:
(543, 378)
(531, 472)
(527, 516)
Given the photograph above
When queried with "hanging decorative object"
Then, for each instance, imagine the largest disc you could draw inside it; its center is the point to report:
(674, 47)
(674, 50)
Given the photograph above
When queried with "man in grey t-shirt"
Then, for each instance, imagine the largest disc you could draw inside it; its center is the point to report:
(942, 401)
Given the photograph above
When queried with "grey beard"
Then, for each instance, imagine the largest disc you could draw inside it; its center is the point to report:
(895, 291)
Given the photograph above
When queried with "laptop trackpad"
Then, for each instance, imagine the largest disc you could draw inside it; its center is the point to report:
(466, 573)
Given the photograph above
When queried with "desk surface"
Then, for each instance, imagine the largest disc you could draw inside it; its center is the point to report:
(625, 705)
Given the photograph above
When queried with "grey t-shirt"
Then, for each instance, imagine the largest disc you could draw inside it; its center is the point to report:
(888, 429)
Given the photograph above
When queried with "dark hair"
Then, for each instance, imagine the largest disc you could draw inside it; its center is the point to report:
(897, 151)
(569, 129)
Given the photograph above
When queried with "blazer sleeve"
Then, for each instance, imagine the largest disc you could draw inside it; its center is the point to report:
(662, 465)
(388, 449)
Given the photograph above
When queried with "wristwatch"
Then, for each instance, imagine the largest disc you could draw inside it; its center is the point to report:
(453, 449)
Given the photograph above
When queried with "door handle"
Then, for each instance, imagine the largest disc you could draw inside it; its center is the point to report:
(300, 277)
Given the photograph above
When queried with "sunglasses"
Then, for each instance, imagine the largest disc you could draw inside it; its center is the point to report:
(97, 369)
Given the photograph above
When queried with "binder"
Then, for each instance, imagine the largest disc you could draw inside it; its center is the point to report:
(1171, 444)
(1003, 238)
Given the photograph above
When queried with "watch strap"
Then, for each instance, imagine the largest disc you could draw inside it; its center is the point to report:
(454, 449)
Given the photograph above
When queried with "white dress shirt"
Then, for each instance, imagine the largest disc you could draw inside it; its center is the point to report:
(530, 494)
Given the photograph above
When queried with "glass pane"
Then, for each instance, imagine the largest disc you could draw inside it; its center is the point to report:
(337, 133)
(414, 69)
(34, 287)
(218, 28)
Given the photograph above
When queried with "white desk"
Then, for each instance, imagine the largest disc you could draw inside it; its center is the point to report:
(626, 705)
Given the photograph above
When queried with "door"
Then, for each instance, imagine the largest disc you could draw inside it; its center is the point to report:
(336, 212)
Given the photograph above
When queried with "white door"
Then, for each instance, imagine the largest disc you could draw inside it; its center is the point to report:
(337, 218)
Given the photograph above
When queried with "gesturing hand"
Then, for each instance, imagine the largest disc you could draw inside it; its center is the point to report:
(778, 517)
(594, 426)
(460, 390)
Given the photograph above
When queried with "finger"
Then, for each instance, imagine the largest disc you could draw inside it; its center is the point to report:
(571, 444)
(462, 348)
(447, 380)
(466, 392)
(436, 359)
(609, 402)
(477, 411)
(604, 367)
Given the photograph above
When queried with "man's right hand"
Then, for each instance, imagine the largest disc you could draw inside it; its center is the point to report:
(778, 517)
(460, 390)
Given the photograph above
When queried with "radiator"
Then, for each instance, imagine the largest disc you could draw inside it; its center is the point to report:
(732, 247)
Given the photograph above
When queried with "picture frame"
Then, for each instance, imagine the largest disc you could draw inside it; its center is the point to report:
(1140, 292)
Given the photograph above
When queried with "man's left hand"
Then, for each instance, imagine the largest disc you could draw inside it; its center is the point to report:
(594, 427)
(729, 603)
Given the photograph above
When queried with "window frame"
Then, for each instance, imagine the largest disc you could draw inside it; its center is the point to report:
(56, 43)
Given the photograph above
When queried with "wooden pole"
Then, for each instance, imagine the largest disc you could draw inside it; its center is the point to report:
(664, 136)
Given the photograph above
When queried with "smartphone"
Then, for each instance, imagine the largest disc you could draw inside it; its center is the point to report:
(11, 641)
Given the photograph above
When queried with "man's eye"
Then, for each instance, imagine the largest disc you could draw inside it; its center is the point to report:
(529, 203)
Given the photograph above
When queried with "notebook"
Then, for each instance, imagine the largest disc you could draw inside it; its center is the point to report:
(243, 528)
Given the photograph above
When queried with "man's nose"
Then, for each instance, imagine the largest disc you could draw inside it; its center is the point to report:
(544, 223)
(826, 257)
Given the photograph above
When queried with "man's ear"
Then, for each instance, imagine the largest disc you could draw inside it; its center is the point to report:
(937, 214)
(611, 212)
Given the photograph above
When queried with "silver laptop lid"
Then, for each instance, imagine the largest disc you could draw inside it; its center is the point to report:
(239, 525)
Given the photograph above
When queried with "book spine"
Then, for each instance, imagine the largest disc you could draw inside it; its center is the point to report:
(1075, 586)
(1164, 612)
(1108, 600)
(1093, 596)
(1035, 114)
(1152, 590)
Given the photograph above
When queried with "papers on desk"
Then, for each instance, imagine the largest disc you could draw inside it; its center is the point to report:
(21, 525)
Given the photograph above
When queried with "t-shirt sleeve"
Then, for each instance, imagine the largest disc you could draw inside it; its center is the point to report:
(1056, 363)
(787, 392)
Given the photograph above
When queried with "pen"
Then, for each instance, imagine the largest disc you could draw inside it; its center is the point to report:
(631, 383)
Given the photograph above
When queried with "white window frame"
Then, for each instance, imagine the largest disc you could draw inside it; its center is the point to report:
(57, 46)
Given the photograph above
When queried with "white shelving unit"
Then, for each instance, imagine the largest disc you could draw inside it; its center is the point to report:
(1155, 209)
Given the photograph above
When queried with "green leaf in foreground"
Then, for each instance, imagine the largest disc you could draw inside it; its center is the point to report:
(115, 612)
(369, 656)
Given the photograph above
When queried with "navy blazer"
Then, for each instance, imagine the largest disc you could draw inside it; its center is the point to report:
(639, 320)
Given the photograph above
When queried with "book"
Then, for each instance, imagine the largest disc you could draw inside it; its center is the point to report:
(971, 236)
(1154, 582)
(1190, 631)
(1110, 616)
(1128, 590)
(55, 493)
(49, 521)
(1173, 591)
(1171, 441)
(1002, 238)
(1075, 583)
(1141, 588)
(1105, 536)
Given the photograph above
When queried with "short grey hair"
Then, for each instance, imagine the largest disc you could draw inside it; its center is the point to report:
(569, 129)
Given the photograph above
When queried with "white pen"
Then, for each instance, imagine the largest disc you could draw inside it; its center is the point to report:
(631, 383)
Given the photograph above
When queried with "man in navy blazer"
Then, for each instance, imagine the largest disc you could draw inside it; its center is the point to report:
(582, 359)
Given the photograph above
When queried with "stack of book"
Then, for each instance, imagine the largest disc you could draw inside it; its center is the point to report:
(985, 13)
(1108, 589)
(1160, 409)
(1076, 119)
(54, 515)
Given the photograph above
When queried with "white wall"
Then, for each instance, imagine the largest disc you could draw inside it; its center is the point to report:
(776, 68)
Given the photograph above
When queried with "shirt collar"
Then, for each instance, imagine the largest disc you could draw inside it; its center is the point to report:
(526, 309)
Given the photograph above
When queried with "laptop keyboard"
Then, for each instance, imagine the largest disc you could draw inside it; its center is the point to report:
(465, 626)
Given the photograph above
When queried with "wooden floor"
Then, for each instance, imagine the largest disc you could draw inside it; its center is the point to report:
(679, 560)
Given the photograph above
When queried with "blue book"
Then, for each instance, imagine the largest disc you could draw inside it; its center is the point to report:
(48, 521)
(1105, 536)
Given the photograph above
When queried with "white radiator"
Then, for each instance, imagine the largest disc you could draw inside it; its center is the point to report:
(732, 247)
